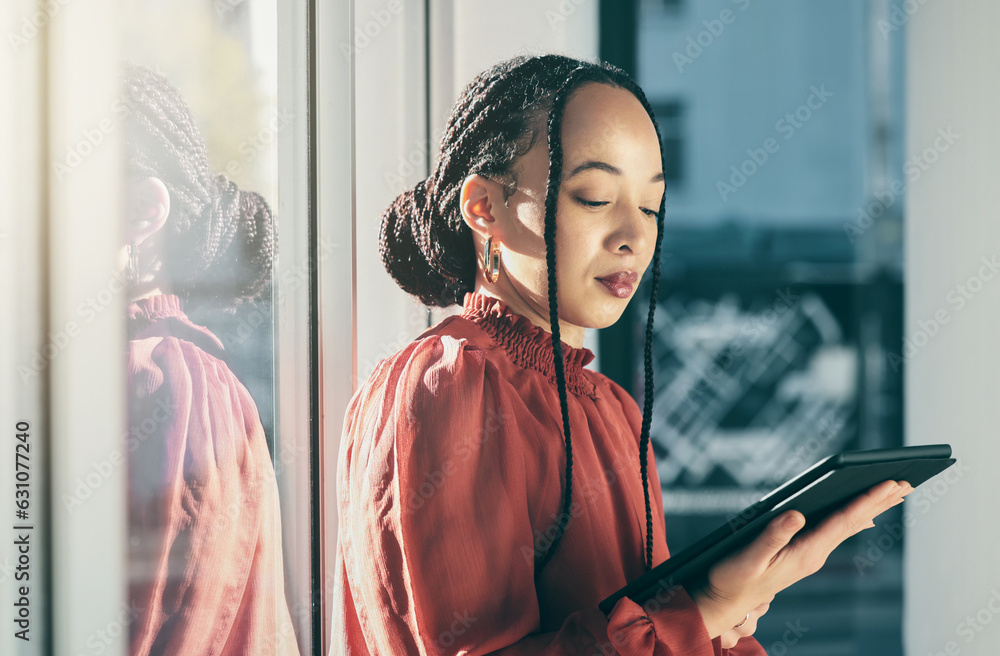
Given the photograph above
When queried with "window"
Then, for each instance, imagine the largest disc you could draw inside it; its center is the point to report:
(670, 119)
(773, 313)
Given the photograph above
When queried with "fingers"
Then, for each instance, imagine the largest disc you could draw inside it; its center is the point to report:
(773, 562)
(775, 537)
(850, 520)
(860, 514)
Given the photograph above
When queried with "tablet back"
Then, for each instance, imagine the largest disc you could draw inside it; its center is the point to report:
(816, 493)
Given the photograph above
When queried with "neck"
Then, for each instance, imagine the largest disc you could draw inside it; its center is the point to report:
(569, 333)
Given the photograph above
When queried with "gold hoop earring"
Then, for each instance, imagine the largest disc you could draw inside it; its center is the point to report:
(491, 261)
(131, 273)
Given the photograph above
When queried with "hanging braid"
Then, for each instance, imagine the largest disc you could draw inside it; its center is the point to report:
(219, 241)
(427, 247)
(647, 404)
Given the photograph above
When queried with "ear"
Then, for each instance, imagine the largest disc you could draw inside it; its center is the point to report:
(148, 209)
(482, 204)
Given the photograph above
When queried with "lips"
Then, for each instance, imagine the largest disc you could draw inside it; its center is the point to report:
(621, 277)
(620, 283)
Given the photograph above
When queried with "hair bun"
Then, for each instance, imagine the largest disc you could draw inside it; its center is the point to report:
(238, 250)
(405, 246)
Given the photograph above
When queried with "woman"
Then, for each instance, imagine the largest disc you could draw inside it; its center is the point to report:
(487, 493)
(205, 536)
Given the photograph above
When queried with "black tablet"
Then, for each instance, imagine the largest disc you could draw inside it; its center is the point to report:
(817, 492)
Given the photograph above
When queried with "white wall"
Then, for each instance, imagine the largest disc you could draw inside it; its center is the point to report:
(952, 569)
(59, 231)
(469, 36)
(389, 131)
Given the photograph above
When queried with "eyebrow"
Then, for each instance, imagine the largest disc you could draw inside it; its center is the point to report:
(608, 168)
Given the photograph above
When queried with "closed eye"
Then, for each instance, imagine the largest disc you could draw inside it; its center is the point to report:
(602, 203)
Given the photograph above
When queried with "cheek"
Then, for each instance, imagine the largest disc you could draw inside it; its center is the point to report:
(575, 252)
(574, 261)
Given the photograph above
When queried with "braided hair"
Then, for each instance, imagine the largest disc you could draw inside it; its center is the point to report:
(428, 249)
(219, 241)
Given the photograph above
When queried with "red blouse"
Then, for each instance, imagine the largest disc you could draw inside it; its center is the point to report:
(205, 567)
(449, 483)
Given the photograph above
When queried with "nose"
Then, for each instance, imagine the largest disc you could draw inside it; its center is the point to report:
(634, 231)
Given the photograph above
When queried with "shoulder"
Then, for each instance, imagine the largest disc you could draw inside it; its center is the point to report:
(173, 354)
(423, 405)
(611, 389)
(623, 404)
(443, 355)
(447, 377)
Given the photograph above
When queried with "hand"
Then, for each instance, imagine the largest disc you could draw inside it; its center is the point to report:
(749, 578)
(733, 635)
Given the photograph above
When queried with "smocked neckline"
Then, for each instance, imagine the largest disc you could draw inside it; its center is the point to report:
(529, 346)
(153, 308)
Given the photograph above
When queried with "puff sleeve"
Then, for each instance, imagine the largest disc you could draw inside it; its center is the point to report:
(435, 514)
(203, 515)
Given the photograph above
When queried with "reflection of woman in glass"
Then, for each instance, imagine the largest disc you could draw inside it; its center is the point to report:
(488, 498)
(205, 539)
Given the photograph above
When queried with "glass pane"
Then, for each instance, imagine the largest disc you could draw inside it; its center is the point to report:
(782, 277)
(215, 481)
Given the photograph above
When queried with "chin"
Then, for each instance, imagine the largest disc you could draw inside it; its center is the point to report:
(608, 316)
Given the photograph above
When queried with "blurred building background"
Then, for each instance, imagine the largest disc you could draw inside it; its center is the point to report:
(781, 286)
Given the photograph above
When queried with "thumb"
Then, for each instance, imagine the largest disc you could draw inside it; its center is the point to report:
(775, 537)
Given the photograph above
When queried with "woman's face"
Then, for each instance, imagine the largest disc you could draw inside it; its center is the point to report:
(612, 185)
